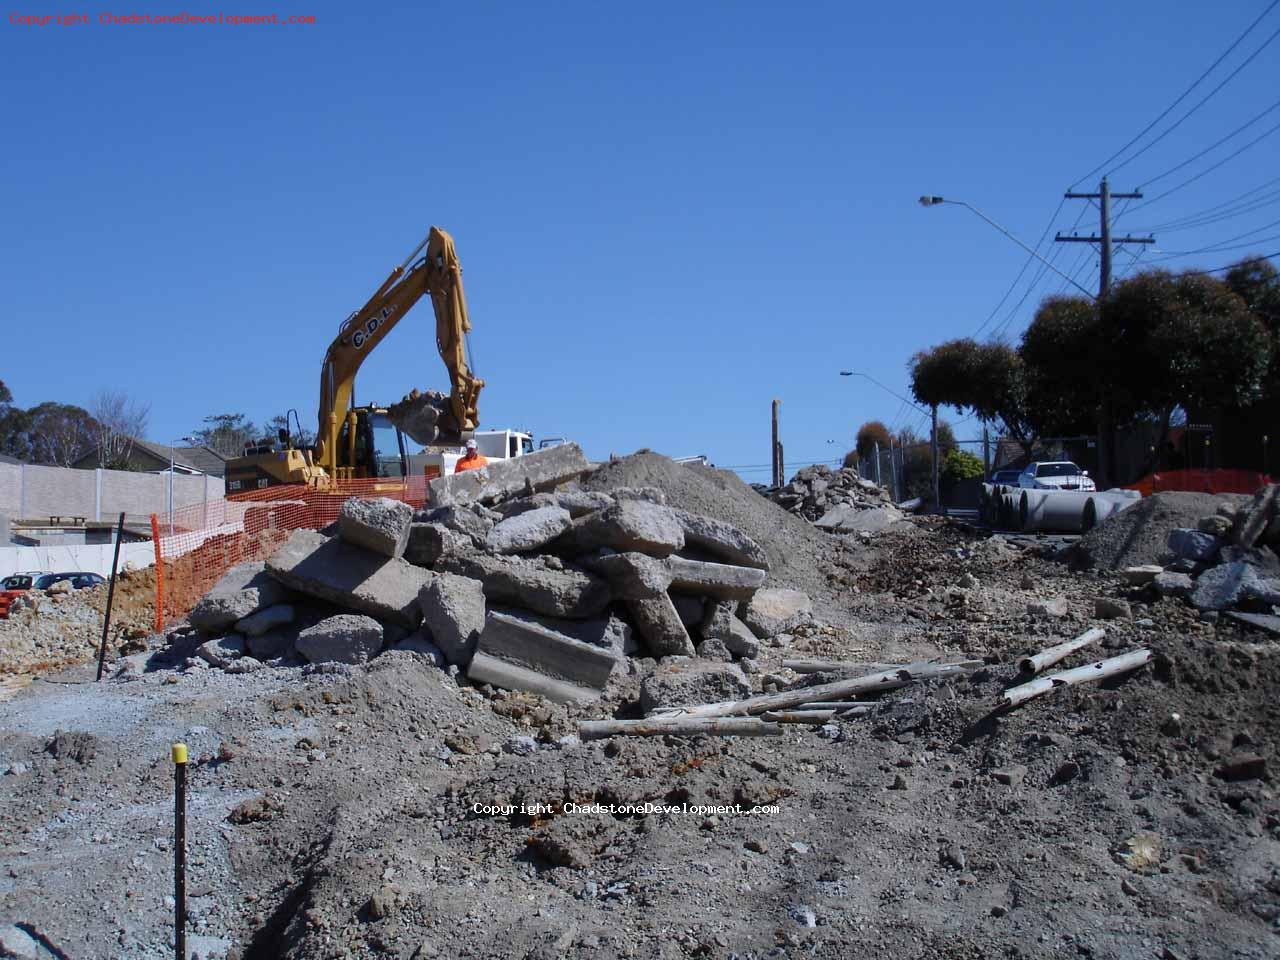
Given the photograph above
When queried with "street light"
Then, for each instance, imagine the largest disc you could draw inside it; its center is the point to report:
(867, 376)
(171, 455)
(932, 201)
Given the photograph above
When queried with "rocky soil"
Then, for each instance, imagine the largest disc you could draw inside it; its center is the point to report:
(393, 809)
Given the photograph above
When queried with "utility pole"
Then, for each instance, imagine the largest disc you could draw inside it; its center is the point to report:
(986, 453)
(933, 446)
(777, 465)
(1105, 242)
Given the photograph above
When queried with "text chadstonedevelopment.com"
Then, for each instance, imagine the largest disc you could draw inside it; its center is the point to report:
(132, 19)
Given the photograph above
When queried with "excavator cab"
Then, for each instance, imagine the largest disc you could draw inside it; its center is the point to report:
(377, 448)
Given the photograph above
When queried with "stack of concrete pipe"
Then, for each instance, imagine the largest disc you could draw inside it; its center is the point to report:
(1099, 506)
(1044, 511)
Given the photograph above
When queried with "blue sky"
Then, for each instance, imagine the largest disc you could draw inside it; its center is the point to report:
(667, 215)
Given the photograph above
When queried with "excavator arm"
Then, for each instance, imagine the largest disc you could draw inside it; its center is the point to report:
(438, 274)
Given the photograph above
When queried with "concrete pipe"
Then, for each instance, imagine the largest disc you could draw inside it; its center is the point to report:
(1006, 512)
(1057, 511)
(1100, 506)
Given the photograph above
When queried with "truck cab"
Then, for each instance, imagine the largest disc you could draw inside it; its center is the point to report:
(439, 460)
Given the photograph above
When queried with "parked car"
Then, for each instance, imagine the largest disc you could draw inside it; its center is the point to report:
(1006, 478)
(80, 579)
(1056, 475)
(11, 588)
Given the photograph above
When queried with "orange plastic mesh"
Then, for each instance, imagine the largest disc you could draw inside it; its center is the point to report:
(1201, 481)
(196, 545)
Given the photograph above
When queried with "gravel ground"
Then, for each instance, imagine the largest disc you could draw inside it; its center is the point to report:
(1139, 535)
(351, 813)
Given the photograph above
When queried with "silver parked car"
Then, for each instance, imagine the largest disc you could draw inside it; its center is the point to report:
(1056, 475)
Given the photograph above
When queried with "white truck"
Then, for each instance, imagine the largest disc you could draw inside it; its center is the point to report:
(439, 460)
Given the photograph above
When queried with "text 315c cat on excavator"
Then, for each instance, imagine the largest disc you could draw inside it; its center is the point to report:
(369, 441)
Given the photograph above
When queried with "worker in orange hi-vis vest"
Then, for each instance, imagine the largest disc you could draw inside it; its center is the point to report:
(472, 460)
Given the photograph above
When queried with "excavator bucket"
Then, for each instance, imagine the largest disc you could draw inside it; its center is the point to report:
(425, 417)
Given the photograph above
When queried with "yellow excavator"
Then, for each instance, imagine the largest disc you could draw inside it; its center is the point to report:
(369, 441)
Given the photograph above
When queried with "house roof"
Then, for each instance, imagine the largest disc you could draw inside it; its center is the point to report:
(200, 459)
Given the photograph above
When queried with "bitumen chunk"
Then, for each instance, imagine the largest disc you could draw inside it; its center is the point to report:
(453, 613)
(242, 590)
(776, 610)
(350, 577)
(533, 585)
(502, 479)
(1192, 544)
(529, 530)
(519, 653)
(1223, 586)
(720, 539)
(346, 638)
(380, 525)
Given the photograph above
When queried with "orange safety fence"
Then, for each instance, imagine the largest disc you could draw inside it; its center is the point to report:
(1201, 481)
(197, 544)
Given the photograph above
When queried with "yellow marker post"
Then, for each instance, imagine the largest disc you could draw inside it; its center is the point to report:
(180, 851)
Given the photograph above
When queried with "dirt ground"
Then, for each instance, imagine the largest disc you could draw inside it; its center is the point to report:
(380, 811)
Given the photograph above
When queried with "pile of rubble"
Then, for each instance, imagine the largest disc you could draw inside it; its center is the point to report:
(516, 577)
(838, 501)
(1227, 563)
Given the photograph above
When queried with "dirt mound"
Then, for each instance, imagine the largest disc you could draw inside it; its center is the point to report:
(1140, 534)
(798, 553)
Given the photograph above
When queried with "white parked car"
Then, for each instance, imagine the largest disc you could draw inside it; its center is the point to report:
(1056, 475)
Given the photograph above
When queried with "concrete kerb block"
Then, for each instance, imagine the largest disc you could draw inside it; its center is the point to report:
(502, 479)
(721, 580)
(520, 654)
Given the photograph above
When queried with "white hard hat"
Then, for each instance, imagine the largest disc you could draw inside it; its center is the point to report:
(471, 444)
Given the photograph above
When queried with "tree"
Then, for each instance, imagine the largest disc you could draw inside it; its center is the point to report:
(60, 433)
(850, 460)
(120, 420)
(227, 433)
(944, 374)
(869, 434)
(6, 397)
(1057, 353)
(959, 465)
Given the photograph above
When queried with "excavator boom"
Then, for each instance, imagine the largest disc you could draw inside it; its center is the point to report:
(439, 274)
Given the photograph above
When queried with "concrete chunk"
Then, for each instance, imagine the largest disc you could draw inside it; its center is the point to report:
(350, 577)
(1170, 584)
(721, 540)
(380, 525)
(346, 638)
(643, 581)
(848, 519)
(720, 580)
(529, 530)
(259, 623)
(776, 610)
(223, 650)
(610, 633)
(1138, 576)
(679, 682)
(520, 654)
(721, 623)
(632, 525)
(428, 542)
(274, 644)
(453, 613)
(531, 584)
(501, 479)
(1223, 586)
(1255, 520)
(244, 589)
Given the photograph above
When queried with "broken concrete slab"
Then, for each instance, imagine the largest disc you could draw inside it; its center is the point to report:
(242, 590)
(1138, 576)
(345, 638)
(721, 623)
(1170, 584)
(428, 542)
(350, 577)
(643, 581)
(453, 613)
(528, 530)
(221, 651)
(579, 503)
(266, 619)
(720, 539)
(684, 682)
(714, 649)
(520, 654)
(1254, 520)
(635, 574)
(776, 610)
(848, 519)
(609, 633)
(503, 479)
(533, 585)
(721, 580)
(630, 526)
(380, 525)
(273, 644)
(471, 518)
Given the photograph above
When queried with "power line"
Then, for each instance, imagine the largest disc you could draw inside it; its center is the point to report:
(1219, 206)
(1169, 109)
(1266, 200)
(1249, 59)
(1219, 248)
(1208, 170)
(1238, 130)
(1030, 257)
